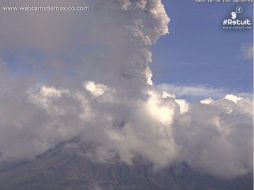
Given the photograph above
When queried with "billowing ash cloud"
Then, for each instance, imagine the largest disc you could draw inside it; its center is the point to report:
(92, 79)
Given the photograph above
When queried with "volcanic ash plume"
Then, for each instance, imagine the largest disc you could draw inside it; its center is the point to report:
(101, 90)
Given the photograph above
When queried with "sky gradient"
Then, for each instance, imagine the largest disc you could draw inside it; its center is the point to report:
(199, 52)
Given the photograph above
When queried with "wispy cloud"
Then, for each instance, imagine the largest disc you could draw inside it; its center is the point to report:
(247, 52)
(199, 91)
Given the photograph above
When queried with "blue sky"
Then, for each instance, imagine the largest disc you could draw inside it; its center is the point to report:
(199, 52)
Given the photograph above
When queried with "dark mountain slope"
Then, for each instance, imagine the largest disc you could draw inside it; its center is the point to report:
(64, 168)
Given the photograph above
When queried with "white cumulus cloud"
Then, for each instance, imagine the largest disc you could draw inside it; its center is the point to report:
(106, 96)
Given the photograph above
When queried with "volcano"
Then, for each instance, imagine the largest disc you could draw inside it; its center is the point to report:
(69, 166)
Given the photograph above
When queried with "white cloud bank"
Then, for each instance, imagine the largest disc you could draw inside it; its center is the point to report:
(110, 100)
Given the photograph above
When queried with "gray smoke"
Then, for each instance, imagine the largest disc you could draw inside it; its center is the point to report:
(93, 79)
